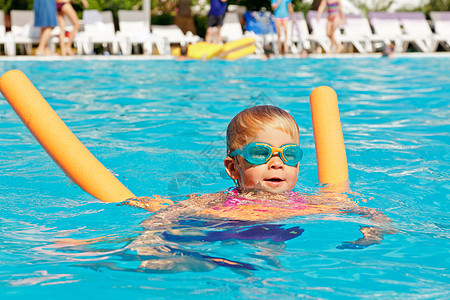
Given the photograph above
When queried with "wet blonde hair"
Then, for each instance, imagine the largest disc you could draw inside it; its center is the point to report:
(246, 124)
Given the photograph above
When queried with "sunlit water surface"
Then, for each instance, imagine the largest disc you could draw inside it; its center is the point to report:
(160, 127)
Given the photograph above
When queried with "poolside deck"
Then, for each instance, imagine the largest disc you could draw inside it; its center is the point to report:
(170, 57)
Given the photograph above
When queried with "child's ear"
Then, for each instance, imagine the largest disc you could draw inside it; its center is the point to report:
(232, 168)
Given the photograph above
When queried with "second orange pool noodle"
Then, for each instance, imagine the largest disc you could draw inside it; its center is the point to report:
(328, 138)
(58, 140)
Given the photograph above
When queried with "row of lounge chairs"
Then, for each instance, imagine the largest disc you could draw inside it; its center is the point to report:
(98, 28)
(360, 33)
(363, 34)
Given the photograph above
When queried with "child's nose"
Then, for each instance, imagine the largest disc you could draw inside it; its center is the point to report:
(275, 161)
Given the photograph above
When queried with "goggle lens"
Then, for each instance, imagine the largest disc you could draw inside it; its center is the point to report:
(292, 153)
(259, 153)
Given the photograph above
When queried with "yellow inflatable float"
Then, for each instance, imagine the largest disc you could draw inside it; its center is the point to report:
(89, 174)
(230, 51)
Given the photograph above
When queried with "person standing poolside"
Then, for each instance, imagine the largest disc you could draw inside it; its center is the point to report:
(64, 8)
(44, 17)
(335, 18)
(215, 19)
(282, 9)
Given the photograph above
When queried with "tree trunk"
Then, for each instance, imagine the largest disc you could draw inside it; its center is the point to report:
(315, 4)
(184, 8)
(184, 18)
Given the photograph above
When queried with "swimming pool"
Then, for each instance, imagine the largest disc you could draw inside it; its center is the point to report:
(160, 127)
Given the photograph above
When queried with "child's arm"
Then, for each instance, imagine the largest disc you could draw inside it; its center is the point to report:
(341, 11)
(151, 204)
(372, 214)
(275, 5)
(337, 196)
(291, 12)
(189, 206)
(85, 3)
(371, 234)
(321, 8)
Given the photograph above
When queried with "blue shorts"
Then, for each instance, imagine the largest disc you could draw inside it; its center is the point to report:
(215, 21)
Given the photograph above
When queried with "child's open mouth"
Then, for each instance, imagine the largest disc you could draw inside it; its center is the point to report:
(274, 182)
(274, 179)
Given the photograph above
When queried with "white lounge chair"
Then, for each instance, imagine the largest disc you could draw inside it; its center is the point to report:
(172, 34)
(99, 29)
(134, 31)
(23, 31)
(357, 33)
(299, 34)
(231, 29)
(387, 25)
(5, 37)
(3, 30)
(441, 23)
(417, 28)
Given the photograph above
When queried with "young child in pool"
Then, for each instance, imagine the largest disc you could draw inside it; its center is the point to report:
(263, 156)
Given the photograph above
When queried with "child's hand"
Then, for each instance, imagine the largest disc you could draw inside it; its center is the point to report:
(151, 204)
(371, 236)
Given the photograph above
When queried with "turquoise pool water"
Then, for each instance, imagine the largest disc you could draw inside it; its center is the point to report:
(159, 126)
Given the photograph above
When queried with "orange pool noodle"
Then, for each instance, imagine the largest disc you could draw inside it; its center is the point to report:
(60, 143)
(330, 149)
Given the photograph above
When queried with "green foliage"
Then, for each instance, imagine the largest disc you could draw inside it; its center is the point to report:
(383, 5)
(437, 5)
(302, 6)
(162, 19)
(7, 5)
(201, 23)
(113, 5)
(375, 5)
(163, 7)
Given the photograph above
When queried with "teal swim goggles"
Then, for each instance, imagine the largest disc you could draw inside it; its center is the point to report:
(259, 153)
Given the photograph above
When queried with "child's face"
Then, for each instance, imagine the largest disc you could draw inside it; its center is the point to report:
(274, 176)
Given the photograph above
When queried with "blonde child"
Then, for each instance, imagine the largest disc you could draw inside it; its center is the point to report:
(64, 8)
(263, 156)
